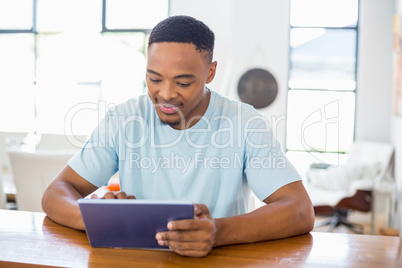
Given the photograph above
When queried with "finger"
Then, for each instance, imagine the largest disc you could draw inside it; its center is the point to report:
(179, 240)
(175, 236)
(94, 196)
(187, 245)
(171, 238)
(193, 249)
(124, 195)
(183, 225)
(200, 210)
(117, 195)
(109, 195)
(191, 252)
(190, 224)
(121, 195)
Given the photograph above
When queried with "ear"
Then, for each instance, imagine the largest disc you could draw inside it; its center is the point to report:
(211, 72)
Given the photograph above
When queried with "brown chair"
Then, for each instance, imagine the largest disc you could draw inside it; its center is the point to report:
(360, 201)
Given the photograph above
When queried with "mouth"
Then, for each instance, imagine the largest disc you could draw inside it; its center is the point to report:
(169, 108)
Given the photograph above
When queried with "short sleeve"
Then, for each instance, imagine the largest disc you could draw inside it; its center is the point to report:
(266, 166)
(97, 161)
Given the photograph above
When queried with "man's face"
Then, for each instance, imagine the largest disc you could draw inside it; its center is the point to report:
(176, 76)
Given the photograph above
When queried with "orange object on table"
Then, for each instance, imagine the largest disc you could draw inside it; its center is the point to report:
(113, 187)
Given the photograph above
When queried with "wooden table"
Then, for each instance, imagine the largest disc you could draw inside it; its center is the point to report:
(31, 238)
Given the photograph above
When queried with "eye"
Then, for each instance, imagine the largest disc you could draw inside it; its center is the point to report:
(154, 80)
(183, 84)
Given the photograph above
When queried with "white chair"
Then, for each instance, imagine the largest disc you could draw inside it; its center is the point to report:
(7, 140)
(2, 195)
(367, 162)
(33, 172)
(350, 186)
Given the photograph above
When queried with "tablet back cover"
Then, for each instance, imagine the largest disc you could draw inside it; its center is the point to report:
(123, 223)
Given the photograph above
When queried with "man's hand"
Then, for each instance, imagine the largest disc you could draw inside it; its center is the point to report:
(192, 237)
(114, 195)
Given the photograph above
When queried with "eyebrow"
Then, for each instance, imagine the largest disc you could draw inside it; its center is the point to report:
(177, 76)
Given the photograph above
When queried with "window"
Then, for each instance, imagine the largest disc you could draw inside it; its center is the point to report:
(322, 77)
(64, 63)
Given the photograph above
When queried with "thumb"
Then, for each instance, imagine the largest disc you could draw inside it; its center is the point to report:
(201, 210)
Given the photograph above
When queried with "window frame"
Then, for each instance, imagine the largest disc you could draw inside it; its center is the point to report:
(355, 91)
(103, 30)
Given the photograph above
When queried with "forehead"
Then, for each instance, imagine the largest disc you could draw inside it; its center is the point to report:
(175, 56)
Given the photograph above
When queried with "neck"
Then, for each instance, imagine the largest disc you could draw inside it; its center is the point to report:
(196, 115)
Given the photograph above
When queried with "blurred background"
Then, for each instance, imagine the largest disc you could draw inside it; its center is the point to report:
(64, 63)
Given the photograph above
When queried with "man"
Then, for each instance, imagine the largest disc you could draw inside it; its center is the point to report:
(183, 141)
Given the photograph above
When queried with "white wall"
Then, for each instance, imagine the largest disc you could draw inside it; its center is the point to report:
(374, 81)
(397, 141)
(375, 120)
(249, 34)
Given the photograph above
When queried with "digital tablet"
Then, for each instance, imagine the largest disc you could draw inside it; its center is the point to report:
(130, 223)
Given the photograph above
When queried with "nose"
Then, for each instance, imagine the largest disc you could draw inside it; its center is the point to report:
(167, 91)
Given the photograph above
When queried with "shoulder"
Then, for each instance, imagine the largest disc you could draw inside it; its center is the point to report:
(225, 106)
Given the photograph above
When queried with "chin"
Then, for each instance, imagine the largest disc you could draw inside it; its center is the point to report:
(165, 120)
(169, 122)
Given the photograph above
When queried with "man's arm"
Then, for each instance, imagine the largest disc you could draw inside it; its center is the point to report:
(288, 212)
(59, 201)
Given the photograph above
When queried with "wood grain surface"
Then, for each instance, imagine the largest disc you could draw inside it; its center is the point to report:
(32, 239)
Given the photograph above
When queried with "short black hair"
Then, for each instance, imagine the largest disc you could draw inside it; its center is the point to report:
(184, 29)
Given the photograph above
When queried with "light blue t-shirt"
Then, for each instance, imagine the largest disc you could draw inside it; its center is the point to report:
(215, 162)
